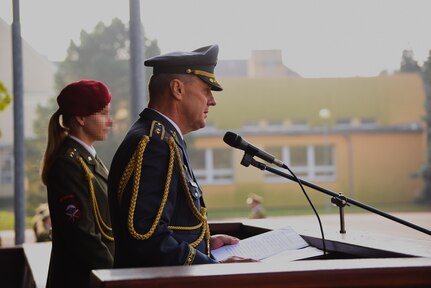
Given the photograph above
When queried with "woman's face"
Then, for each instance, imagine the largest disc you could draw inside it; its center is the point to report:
(96, 126)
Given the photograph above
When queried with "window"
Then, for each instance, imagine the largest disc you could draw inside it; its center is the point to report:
(343, 123)
(6, 169)
(298, 161)
(368, 122)
(324, 168)
(311, 162)
(212, 166)
(300, 124)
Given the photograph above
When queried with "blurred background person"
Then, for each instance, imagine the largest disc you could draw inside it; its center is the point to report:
(42, 223)
(254, 202)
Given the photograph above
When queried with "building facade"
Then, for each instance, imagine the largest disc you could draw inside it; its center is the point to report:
(362, 137)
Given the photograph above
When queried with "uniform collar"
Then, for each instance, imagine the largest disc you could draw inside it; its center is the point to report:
(77, 148)
(90, 149)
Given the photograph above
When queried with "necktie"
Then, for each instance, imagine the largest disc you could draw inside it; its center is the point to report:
(187, 159)
(99, 161)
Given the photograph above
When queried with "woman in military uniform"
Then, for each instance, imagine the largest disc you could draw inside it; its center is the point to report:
(76, 181)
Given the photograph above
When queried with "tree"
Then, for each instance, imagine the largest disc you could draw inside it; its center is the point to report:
(35, 148)
(425, 196)
(102, 55)
(408, 63)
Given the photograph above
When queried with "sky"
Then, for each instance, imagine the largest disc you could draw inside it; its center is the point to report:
(318, 38)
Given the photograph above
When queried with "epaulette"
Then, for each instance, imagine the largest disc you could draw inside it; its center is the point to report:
(157, 129)
(72, 153)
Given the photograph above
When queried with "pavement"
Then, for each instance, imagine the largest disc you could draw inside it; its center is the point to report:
(7, 237)
(364, 223)
(356, 222)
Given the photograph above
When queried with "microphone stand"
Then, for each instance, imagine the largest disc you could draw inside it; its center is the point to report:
(338, 199)
(341, 201)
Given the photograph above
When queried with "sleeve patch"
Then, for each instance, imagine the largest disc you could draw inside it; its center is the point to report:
(72, 213)
(71, 208)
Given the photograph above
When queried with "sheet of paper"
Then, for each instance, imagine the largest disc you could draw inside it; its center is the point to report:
(292, 255)
(263, 245)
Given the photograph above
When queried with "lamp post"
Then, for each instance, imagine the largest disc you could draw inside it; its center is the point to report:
(18, 116)
(137, 52)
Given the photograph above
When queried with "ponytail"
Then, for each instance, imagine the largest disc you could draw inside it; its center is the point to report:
(57, 132)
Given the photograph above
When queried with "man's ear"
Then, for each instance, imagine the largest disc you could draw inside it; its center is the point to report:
(177, 88)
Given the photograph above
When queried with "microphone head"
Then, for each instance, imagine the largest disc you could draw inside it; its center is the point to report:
(232, 139)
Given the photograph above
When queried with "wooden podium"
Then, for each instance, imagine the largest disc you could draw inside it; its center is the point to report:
(353, 261)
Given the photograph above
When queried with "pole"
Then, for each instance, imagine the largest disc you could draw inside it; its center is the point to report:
(18, 116)
(137, 50)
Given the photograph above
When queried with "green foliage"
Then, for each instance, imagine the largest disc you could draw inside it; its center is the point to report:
(7, 221)
(5, 98)
(102, 55)
(409, 65)
(35, 148)
(426, 171)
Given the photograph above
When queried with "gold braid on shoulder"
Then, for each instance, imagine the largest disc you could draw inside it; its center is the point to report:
(200, 215)
(101, 225)
(134, 167)
(137, 165)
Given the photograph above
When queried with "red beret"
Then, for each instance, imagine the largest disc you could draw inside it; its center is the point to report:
(83, 98)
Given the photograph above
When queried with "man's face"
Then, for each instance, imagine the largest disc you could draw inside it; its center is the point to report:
(195, 105)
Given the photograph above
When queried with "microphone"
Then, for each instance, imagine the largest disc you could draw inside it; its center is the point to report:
(236, 141)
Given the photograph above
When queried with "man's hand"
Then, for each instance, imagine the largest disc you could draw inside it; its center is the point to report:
(220, 240)
(237, 259)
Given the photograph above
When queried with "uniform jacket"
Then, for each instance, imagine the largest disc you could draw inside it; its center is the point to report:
(158, 225)
(78, 245)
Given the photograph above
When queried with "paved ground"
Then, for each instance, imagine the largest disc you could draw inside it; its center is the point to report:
(8, 237)
(359, 223)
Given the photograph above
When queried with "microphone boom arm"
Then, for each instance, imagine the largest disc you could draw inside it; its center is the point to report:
(248, 159)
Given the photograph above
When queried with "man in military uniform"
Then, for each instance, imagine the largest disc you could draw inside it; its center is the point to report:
(157, 209)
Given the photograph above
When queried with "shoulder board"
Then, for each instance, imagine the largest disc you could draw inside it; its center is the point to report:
(157, 130)
(72, 153)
